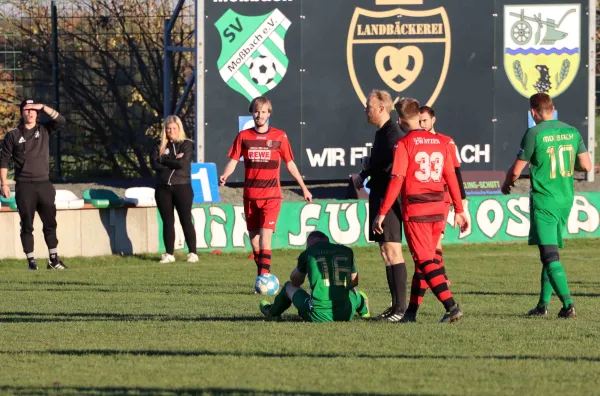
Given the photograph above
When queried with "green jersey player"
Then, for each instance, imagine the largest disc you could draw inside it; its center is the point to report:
(554, 150)
(333, 277)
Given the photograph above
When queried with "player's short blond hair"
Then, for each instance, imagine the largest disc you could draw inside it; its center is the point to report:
(260, 102)
(407, 108)
(384, 98)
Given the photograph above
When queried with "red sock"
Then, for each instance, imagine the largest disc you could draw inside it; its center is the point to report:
(264, 262)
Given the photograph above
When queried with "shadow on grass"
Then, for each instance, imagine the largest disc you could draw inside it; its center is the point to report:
(58, 287)
(50, 283)
(279, 355)
(38, 317)
(84, 390)
(491, 293)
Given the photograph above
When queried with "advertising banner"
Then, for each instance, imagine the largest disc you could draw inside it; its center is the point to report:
(475, 62)
(496, 218)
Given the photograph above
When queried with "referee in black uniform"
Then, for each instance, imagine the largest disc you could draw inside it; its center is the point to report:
(378, 167)
(29, 147)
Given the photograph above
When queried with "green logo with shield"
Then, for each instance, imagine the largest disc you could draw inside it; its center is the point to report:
(253, 59)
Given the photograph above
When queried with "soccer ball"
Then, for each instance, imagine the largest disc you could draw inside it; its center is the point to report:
(262, 70)
(266, 284)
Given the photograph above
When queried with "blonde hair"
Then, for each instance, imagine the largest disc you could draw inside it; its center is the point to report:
(172, 119)
(384, 98)
(257, 103)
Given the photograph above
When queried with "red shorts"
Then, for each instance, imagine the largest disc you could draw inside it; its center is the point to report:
(262, 213)
(446, 213)
(422, 238)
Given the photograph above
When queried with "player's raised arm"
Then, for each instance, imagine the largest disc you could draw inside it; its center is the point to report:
(56, 122)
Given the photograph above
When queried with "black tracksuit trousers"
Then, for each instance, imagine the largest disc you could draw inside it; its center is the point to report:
(180, 197)
(32, 196)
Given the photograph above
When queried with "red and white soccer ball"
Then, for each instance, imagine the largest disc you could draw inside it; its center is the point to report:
(262, 70)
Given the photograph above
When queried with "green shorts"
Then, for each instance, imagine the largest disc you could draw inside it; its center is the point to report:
(304, 304)
(547, 226)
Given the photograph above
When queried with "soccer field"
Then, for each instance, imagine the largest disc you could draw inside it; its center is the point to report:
(127, 325)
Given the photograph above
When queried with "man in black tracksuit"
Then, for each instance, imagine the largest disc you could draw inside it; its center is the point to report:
(378, 109)
(29, 147)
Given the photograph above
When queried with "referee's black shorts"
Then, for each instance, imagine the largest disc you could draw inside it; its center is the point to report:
(392, 224)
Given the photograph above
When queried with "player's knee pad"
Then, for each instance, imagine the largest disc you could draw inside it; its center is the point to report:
(549, 254)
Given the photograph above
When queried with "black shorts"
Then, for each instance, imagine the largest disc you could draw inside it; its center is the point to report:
(392, 224)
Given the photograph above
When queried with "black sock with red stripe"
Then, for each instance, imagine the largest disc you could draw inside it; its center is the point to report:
(256, 254)
(264, 262)
(437, 283)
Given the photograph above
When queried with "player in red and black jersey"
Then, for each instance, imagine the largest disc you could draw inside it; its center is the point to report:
(427, 122)
(262, 147)
(422, 166)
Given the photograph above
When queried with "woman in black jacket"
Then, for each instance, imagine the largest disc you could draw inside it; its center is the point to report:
(173, 162)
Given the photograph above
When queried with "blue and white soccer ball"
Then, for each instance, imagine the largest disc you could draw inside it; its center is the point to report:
(266, 284)
(262, 70)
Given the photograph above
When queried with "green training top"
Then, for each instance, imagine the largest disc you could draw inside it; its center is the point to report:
(551, 147)
(328, 267)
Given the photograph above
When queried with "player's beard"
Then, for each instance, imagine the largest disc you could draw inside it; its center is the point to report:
(258, 123)
(371, 119)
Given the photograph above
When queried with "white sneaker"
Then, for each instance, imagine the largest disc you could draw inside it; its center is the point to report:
(167, 258)
(192, 258)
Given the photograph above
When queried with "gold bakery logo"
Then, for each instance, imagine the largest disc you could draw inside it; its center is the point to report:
(407, 50)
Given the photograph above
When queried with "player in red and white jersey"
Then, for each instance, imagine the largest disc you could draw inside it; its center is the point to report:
(422, 166)
(427, 122)
(262, 147)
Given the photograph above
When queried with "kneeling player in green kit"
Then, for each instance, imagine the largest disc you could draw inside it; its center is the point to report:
(333, 278)
(554, 150)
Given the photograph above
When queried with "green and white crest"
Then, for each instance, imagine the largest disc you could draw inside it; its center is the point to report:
(252, 60)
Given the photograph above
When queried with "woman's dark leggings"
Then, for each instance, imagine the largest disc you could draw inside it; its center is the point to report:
(180, 197)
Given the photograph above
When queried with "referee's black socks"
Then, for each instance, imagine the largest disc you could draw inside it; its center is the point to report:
(389, 274)
(400, 278)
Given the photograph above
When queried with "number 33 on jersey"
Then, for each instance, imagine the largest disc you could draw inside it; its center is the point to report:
(425, 162)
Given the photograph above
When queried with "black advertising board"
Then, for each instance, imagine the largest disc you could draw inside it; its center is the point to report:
(475, 62)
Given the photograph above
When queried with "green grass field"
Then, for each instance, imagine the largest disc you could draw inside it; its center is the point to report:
(120, 325)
